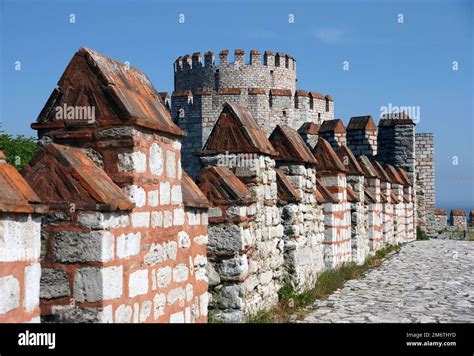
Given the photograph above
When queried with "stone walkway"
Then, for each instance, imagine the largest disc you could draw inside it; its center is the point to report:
(428, 281)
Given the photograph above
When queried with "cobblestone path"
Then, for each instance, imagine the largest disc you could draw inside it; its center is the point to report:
(427, 281)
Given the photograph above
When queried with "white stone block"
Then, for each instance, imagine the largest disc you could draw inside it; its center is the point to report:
(128, 245)
(138, 283)
(165, 193)
(170, 164)
(123, 314)
(132, 162)
(32, 286)
(140, 219)
(93, 284)
(183, 240)
(153, 198)
(156, 160)
(176, 195)
(163, 276)
(178, 216)
(168, 219)
(136, 194)
(157, 219)
(177, 318)
(180, 273)
(159, 303)
(9, 294)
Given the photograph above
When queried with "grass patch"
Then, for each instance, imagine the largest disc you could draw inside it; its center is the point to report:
(292, 302)
(421, 234)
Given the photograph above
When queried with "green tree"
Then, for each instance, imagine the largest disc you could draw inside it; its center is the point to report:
(19, 150)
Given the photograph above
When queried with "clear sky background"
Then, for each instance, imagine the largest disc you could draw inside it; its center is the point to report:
(407, 64)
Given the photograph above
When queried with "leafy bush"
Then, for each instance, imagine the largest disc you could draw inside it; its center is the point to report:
(19, 150)
(420, 234)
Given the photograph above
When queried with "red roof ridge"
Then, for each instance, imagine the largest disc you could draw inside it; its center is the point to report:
(290, 146)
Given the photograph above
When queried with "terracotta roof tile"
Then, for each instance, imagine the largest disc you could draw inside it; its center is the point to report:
(458, 212)
(192, 195)
(328, 161)
(361, 123)
(116, 91)
(290, 146)
(280, 92)
(64, 175)
(369, 196)
(236, 131)
(351, 195)
(394, 197)
(381, 172)
(286, 192)
(439, 211)
(309, 128)
(335, 126)
(323, 195)
(222, 187)
(404, 176)
(350, 161)
(369, 170)
(16, 196)
(393, 174)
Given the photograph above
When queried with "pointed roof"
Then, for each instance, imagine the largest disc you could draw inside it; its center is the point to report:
(222, 187)
(440, 211)
(458, 212)
(404, 176)
(394, 197)
(117, 92)
(369, 196)
(64, 175)
(393, 174)
(328, 161)
(236, 131)
(323, 195)
(351, 195)
(335, 126)
(381, 172)
(286, 192)
(16, 196)
(350, 161)
(290, 146)
(192, 195)
(369, 170)
(365, 123)
(308, 128)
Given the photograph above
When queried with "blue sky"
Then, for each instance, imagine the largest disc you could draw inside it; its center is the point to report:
(407, 64)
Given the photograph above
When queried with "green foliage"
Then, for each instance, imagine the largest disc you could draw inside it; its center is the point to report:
(420, 234)
(19, 150)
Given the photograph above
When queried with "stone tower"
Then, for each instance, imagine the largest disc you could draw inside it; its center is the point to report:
(266, 86)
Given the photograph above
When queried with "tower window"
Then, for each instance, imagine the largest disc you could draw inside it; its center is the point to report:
(327, 105)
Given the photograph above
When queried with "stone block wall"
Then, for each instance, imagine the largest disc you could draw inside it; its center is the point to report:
(424, 149)
(337, 222)
(387, 213)
(303, 223)
(257, 258)
(458, 218)
(146, 264)
(20, 241)
(20, 269)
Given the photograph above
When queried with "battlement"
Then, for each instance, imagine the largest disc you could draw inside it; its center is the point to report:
(268, 71)
(194, 60)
